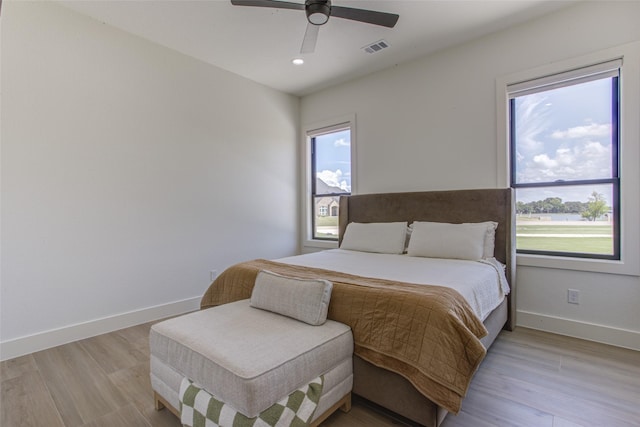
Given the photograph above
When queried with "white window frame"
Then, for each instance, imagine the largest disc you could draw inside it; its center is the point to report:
(629, 263)
(349, 121)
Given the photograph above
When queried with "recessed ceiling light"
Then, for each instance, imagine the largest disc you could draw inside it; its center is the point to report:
(298, 61)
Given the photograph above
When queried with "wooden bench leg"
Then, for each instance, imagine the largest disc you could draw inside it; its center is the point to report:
(157, 402)
(346, 406)
(343, 404)
(160, 403)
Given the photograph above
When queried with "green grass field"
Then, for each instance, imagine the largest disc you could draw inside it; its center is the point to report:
(325, 221)
(554, 237)
(595, 239)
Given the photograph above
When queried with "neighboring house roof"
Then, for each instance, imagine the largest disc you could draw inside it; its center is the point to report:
(327, 201)
(324, 188)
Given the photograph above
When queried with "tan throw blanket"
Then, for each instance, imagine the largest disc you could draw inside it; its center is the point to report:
(428, 334)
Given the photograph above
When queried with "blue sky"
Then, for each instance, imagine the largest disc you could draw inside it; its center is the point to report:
(564, 134)
(333, 159)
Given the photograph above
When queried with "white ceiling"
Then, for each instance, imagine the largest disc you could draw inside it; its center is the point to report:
(259, 43)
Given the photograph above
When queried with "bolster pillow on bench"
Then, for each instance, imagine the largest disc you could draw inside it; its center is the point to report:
(306, 300)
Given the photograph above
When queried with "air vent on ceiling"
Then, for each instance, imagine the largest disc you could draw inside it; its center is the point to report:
(376, 47)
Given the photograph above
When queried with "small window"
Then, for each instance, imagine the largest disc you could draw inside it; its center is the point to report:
(564, 146)
(330, 149)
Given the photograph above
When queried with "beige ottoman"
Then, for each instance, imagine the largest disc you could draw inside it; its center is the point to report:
(250, 359)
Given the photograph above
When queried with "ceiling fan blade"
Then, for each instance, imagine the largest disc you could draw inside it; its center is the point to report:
(310, 38)
(268, 3)
(369, 16)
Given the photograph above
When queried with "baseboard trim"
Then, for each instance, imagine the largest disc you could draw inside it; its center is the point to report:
(588, 331)
(55, 337)
(29, 344)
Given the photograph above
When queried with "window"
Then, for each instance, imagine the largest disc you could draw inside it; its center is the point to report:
(564, 165)
(329, 151)
(627, 211)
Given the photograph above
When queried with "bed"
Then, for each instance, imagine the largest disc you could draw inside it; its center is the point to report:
(383, 373)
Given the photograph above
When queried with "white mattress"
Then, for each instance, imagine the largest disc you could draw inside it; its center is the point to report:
(482, 283)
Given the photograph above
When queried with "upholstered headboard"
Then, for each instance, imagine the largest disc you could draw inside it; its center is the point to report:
(455, 206)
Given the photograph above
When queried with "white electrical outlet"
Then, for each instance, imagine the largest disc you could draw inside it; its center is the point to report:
(573, 296)
(213, 274)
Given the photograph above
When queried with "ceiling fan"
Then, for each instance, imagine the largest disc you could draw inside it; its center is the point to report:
(318, 13)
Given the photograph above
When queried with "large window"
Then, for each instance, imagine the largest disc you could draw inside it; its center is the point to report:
(564, 145)
(330, 149)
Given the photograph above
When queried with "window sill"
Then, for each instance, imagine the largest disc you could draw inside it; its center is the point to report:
(579, 264)
(320, 244)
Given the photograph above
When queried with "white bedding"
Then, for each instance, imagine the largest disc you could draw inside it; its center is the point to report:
(482, 283)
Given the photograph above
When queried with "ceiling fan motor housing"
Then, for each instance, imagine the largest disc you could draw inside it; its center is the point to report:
(318, 11)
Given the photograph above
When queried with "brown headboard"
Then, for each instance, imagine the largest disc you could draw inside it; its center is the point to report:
(455, 206)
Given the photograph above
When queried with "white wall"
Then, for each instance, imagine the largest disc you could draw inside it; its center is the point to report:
(431, 124)
(128, 172)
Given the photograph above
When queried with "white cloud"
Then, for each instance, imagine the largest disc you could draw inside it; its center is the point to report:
(542, 161)
(592, 130)
(532, 121)
(595, 149)
(580, 161)
(341, 143)
(335, 179)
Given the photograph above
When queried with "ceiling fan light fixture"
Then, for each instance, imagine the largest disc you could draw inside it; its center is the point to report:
(318, 11)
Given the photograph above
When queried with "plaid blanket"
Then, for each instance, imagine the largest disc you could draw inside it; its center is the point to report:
(198, 408)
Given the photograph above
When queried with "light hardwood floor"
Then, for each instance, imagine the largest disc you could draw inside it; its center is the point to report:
(528, 378)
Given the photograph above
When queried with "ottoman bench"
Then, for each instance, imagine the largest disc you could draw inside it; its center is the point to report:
(251, 361)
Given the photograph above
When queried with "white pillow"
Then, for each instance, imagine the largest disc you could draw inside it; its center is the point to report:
(380, 237)
(306, 300)
(443, 240)
(489, 238)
